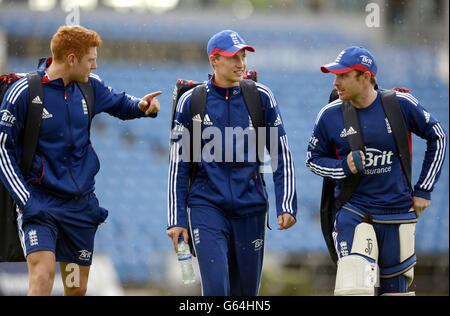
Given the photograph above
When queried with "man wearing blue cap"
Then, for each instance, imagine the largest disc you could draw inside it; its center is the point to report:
(379, 250)
(226, 206)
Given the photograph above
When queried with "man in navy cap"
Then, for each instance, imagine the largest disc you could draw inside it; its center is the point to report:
(226, 206)
(382, 250)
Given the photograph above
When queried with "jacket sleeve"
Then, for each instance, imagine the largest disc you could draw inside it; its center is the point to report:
(118, 104)
(322, 157)
(282, 162)
(13, 114)
(423, 124)
(178, 182)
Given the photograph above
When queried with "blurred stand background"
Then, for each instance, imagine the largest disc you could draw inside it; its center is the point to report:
(149, 44)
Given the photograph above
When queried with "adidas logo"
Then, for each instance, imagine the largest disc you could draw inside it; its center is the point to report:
(278, 121)
(207, 121)
(46, 114)
(37, 100)
(85, 108)
(388, 126)
(250, 123)
(197, 118)
(427, 116)
(348, 132)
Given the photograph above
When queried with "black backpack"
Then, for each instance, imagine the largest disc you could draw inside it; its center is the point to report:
(10, 247)
(198, 107)
(329, 204)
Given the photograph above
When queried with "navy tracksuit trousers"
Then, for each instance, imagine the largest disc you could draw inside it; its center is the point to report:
(229, 250)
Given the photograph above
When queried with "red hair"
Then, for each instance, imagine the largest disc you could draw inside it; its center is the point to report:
(73, 39)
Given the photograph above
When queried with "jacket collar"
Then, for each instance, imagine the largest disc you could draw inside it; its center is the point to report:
(44, 63)
(223, 92)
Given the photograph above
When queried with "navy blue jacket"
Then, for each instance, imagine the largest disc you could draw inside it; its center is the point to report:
(229, 175)
(383, 186)
(65, 162)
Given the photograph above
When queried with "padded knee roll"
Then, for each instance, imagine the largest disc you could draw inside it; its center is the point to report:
(407, 256)
(357, 273)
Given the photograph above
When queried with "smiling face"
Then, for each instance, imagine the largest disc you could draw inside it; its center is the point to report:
(229, 71)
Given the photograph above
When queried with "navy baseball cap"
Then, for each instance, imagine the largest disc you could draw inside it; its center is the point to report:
(227, 43)
(352, 58)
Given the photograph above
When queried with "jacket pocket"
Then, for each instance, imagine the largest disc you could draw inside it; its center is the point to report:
(38, 168)
(102, 214)
(99, 214)
(97, 161)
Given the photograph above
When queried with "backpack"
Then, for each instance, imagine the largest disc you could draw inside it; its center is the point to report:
(329, 204)
(10, 246)
(198, 107)
(252, 100)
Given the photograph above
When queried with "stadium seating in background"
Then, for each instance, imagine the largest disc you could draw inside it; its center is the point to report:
(132, 182)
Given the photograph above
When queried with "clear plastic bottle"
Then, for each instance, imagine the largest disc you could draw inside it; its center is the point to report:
(185, 259)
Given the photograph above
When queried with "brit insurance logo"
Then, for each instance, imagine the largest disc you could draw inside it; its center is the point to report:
(258, 243)
(380, 161)
(8, 119)
(84, 255)
(366, 61)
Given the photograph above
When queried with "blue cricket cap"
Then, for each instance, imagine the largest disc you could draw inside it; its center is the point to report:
(227, 43)
(352, 58)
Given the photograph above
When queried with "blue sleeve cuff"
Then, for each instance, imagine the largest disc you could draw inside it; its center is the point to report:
(423, 194)
(346, 168)
(139, 113)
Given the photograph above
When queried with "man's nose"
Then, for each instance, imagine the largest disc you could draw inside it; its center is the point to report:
(240, 62)
(336, 82)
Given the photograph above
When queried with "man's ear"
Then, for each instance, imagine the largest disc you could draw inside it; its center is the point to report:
(71, 59)
(212, 61)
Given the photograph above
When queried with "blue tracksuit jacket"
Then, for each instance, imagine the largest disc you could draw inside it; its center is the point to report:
(65, 162)
(383, 186)
(231, 180)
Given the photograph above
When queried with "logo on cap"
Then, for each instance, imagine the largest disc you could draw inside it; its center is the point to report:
(366, 61)
(338, 59)
(234, 38)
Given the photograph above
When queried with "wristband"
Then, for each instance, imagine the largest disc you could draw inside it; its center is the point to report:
(357, 159)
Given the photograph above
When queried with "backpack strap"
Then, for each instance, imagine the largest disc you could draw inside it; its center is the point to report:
(198, 102)
(198, 110)
(88, 93)
(397, 122)
(255, 109)
(355, 140)
(328, 204)
(32, 122)
(253, 102)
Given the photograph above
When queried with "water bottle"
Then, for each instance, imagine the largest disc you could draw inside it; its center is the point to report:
(185, 260)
